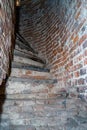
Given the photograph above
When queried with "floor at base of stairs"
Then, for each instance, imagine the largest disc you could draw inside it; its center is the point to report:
(44, 115)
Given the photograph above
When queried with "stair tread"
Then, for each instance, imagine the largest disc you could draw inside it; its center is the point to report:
(23, 42)
(30, 67)
(27, 97)
(28, 61)
(32, 80)
(28, 55)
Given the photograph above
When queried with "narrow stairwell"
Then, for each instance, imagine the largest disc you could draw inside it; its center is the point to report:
(31, 98)
(29, 77)
(31, 102)
(27, 90)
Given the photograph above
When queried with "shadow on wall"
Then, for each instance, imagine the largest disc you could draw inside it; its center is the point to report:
(2, 97)
(17, 19)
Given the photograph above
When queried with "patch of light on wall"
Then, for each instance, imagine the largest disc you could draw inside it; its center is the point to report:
(17, 2)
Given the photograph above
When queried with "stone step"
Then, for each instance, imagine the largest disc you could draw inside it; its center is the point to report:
(30, 72)
(39, 120)
(28, 61)
(5, 125)
(31, 88)
(30, 96)
(74, 126)
(29, 67)
(33, 80)
(17, 103)
(22, 43)
(36, 122)
(52, 107)
(29, 55)
(33, 95)
(49, 114)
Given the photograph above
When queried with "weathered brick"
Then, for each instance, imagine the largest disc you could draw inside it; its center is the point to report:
(85, 61)
(77, 15)
(82, 39)
(82, 71)
(86, 79)
(85, 44)
(6, 35)
(85, 52)
(81, 81)
(77, 74)
(75, 39)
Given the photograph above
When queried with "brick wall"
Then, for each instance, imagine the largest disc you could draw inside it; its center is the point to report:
(66, 45)
(6, 35)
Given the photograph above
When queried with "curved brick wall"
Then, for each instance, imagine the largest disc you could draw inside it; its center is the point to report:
(58, 30)
(6, 36)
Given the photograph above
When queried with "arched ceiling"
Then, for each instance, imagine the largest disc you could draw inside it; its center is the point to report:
(36, 18)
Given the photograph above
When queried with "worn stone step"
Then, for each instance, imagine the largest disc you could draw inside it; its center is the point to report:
(16, 102)
(39, 94)
(29, 67)
(9, 126)
(20, 40)
(37, 122)
(25, 54)
(16, 119)
(40, 114)
(33, 80)
(28, 73)
(56, 127)
(5, 124)
(30, 88)
(22, 45)
(27, 61)
(33, 112)
(57, 106)
(21, 127)
(27, 96)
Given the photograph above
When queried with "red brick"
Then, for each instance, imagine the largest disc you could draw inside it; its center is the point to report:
(76, 74)
(39, 108)
(77, 15)
(82, 39)
(28, 72)
(76, 39)
(85, 61)
(81, 81)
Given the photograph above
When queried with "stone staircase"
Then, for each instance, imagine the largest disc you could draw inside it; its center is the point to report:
(28, 84)
(31, 104)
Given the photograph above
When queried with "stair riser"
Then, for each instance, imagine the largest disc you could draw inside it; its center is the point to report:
(27, 54)
(27, 61)
(29, 73)
(38, 91)
(32, 105)
(23, 90)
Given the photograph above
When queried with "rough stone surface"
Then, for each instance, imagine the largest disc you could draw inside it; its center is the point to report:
(40, 114)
